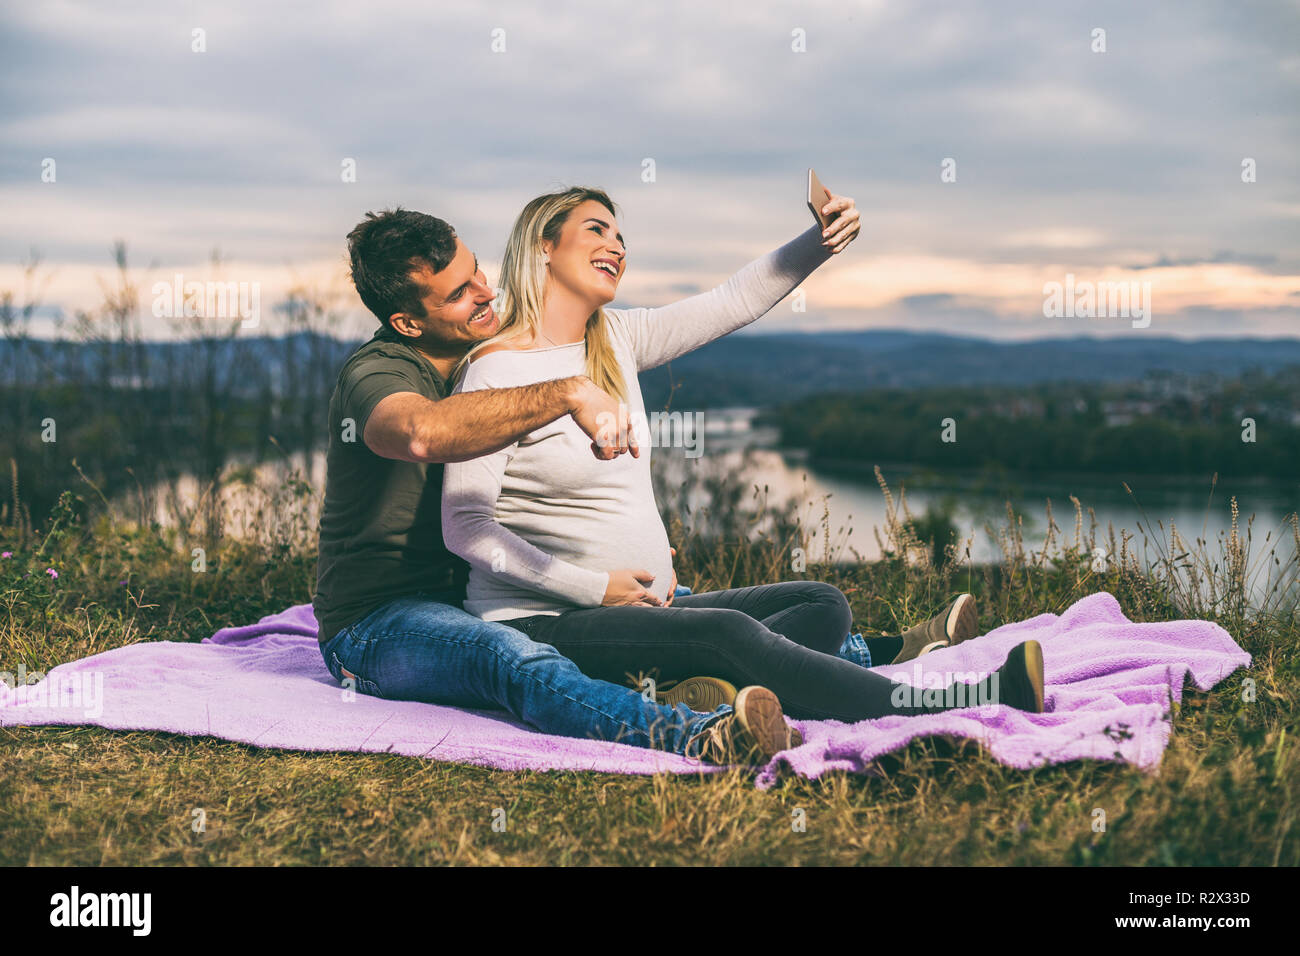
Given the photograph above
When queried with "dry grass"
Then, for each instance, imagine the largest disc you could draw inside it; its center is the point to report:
(1227, 792)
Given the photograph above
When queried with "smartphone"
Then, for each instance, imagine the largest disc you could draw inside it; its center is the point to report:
(818, 196)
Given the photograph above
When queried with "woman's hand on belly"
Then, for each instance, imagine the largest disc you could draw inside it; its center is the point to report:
(630, 587)
(672, 590)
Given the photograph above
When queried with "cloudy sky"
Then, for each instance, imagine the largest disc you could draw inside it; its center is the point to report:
(1116, 166)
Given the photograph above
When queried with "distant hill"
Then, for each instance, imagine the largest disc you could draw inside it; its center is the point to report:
(250, 363)
(763, 370)
(754, 370)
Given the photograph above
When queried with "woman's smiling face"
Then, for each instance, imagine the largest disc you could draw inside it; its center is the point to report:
(588, 258)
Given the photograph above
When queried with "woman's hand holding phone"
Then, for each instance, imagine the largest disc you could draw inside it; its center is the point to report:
(837, 215)
(844, 227)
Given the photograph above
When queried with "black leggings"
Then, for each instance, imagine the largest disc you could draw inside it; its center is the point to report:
(781, 636)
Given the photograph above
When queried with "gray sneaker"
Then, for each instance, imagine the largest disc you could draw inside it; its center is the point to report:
(956, 623)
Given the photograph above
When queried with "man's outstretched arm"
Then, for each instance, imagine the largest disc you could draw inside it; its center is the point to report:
(409, 427)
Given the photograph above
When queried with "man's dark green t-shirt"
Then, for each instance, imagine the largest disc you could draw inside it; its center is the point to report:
(381, 526)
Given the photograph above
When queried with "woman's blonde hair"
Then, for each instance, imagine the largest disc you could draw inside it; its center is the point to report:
(523, 285)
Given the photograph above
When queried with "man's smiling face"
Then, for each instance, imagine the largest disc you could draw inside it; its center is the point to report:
(457, 303)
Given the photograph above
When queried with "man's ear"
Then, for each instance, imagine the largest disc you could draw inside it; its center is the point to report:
(404, 324)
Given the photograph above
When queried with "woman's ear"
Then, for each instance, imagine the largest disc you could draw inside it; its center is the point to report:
(546, 245)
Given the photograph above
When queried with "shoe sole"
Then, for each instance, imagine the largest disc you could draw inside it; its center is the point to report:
(704, 694)
(1034, 670)
(963, 621)
(759, 713)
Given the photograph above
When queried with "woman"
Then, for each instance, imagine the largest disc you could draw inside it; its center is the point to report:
(571, 550)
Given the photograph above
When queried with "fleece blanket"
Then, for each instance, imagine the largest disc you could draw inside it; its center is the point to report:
(1110, 685)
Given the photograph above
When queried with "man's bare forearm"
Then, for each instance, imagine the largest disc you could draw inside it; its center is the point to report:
(471, 424)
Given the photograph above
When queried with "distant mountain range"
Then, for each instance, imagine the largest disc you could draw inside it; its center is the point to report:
(763, 370)
(760, 370)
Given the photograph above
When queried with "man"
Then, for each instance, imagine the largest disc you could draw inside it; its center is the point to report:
(389, 594)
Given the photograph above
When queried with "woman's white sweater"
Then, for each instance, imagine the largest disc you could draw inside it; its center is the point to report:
(543, 521)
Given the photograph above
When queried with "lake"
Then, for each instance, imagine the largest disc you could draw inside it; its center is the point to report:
(728, 443)
(857, 506)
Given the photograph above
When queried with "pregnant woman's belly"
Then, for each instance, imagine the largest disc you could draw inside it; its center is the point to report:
(594, 536)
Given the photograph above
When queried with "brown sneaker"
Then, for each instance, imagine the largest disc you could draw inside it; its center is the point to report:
(956, 623)
(704, 694)
(755, 728)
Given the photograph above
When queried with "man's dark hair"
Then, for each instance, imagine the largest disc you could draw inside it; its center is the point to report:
(384, 248)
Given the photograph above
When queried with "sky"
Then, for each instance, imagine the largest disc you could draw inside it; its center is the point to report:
(1120, 165)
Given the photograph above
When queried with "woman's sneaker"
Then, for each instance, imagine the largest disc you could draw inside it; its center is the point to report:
(704, 694)
(755, 728)
(956, 623)
(1020, 678)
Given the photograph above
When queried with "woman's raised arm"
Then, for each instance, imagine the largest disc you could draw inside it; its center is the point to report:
(661, 334)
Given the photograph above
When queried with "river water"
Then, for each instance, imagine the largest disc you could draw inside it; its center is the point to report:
(855, 504)
(848, 503)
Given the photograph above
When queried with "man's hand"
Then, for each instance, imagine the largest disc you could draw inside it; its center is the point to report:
(604, 419)
(629, 587)
(844, 227)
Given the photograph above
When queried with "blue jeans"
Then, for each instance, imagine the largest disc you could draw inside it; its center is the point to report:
(855, 649)
(426, 648)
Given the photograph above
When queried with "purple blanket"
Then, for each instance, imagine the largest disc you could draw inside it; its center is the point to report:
(1110, 684)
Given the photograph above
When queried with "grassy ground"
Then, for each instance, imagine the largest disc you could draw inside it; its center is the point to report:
(1228, 792)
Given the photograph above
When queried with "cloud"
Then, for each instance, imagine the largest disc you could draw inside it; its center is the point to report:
(1065, 158)
(1224, 255)
(927, 302)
